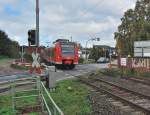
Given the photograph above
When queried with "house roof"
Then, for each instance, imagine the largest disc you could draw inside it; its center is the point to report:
(103, 46)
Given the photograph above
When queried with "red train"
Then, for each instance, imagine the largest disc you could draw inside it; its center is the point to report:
(64, 54)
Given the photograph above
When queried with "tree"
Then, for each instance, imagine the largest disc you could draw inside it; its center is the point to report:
(96, 53)
(135, 26)
(7, 46)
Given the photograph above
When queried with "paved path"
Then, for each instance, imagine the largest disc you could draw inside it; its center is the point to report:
(79, 70)
(5, 68)
(61, 74)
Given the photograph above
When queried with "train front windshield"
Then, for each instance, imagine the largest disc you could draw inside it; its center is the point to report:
(67, 49)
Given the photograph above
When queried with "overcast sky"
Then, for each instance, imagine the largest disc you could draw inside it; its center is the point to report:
(81, 19)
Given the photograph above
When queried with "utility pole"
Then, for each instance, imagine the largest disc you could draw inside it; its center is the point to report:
(71, 38)
(22, 53)
(97, 39)
(37, 23)
(48, 44)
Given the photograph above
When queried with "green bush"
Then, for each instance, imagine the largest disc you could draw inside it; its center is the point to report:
(28, 57)
(8, 47)
(124, 72)
(19, 67)
(144, 74)
(81, 60)
(112, 72)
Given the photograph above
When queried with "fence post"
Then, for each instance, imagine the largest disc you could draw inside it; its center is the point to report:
(55, 111)
(12, 95)
(41, 91)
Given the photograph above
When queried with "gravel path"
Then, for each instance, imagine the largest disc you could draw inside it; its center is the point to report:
(5, 68)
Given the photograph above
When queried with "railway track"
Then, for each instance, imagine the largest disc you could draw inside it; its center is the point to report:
(141, 80)
(137, 101)
(6, 86)
(134, 101)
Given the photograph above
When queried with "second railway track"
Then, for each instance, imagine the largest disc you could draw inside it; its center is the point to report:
(139, 80)
(137, 101)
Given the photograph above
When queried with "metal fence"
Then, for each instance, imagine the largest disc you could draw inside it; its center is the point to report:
(51, 106)
(36, 90)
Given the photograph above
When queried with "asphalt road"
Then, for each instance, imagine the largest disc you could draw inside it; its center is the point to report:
(60, 74)
(14, 76)
(79, 70)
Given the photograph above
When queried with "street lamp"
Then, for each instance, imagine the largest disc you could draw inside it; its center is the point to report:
(92, 39)
(48, 44)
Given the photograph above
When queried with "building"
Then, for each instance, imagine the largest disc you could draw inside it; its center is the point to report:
(105, 48)
(83, 52)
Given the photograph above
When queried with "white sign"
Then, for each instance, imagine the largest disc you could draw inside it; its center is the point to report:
(146, 50)
(146, 54)
(138, 50)
(35, 57)
(142, 48)
(123, 61)
(142, 43)
(137, 54)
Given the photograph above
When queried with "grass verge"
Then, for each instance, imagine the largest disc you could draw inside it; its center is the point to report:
(117, 72)
(71, 97)
(4, 59)
(6, 103)
(19, 67)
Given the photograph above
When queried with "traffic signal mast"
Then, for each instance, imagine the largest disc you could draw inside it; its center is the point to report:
(33, 35)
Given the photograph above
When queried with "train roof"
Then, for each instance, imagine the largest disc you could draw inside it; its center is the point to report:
(63, 41)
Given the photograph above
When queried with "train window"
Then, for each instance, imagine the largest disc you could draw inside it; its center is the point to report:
(67, 49)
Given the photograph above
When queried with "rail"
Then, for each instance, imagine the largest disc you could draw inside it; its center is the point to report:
(115, 95)
(138, 80)
(124, 88)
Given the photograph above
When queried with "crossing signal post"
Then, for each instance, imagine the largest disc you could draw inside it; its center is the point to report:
(34, 51)
(33, 40)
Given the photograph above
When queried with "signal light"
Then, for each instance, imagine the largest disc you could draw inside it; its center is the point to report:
(98, 39)
(32, 37)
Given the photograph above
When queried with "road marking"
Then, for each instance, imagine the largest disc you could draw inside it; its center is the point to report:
(67, 74)
(70, 77)
(59, 71)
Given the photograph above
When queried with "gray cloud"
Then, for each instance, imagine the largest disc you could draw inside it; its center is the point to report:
(80, 19)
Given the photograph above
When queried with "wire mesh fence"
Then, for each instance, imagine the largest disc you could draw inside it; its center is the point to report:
(35, 98)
